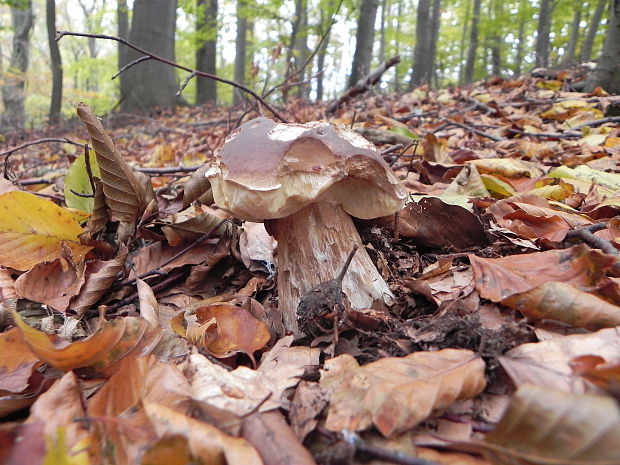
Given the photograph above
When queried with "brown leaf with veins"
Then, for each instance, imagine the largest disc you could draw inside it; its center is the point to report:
(564, 302)
(499, 278)
(99, 277)
(124, 193)
(395, 394)
(198, 187)
(7, 285)
(594, 369)
(542, 426)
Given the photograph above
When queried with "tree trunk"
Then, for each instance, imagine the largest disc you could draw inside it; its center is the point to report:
(364, 41)
(122, 19)
(92, 82)
(241, 42)
(542, 38)
(399, 15)
(516, 69)
(206, 53)
(435, 27)
(462, 46)
(496, 38)
(299, 45)
(571, 48)
(56, 62)
(326, 31)
(607, 72)
(588, 43)
(420, 72)
(384, 6)
(473, 44)
(15, 76)
(151, 83)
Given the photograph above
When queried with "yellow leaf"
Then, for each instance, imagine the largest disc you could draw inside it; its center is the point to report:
(32, 229)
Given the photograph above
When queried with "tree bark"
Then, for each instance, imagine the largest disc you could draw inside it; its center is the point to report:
(516, 69)
(384, 7)
(122, 19)
(151, 83)
(15, 76)
(420, 72)
(542, 38)
(299, 45)
(588, 43)
(241, 42)
(470, 65)
(56, 62)
(206, 52)
(607, 72)
(571, 48)
(325, 31)
(364, 40)
(435, 27)
(462, 45)
(496, 38)
(399, 15)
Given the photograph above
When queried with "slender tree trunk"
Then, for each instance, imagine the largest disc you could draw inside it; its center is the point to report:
(364, 41)
(462, 46)
(322, 53)
(496, 38)
(571, 48)
(55, 104)
(206, 52)
(473, 44)
(91, 81)
(435, 27)
(300, 45)
(384, 6)
(15, 76)
(420, 72)
(241, 42)
(151, 83)
(607, 72)
(122, 19)
(399, 15)
(516, 69)
(542, 38)
(588, 43)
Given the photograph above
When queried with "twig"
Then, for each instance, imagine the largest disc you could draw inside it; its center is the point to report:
(89, 170)
(173, 169)
(363, 84)
(87, 196)
(477, 131)
(381, 453)
(587, 235)
(186, 82)
(64, 140)
(130, 64)
(562, 135)
(61, 34)
(597, 122)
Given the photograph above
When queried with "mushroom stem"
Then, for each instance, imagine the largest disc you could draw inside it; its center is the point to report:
(313, 245)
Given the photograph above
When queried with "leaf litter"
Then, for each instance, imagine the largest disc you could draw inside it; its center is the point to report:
(139, 321)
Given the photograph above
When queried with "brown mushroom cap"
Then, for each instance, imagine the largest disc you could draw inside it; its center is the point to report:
(267, 170)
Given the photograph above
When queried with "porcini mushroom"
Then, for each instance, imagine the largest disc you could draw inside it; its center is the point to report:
(305, 181)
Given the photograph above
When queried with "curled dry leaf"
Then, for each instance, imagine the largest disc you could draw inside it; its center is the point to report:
(564, 302)
(194, 227)
(206, 442)
(32, 230)
(595, 370)
(99, 277)
(98, 352)
(7, 285)
(198, 187)
(395, 394)
(99, 216)
(224, 329)
(124, 193)
(542, 426)
(52, 283)
(17, 362)
(149, 308)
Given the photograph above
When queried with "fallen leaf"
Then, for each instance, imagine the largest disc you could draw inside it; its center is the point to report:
(395, 394)
(17, 362)
(78, 182)
(32, 230)
(542, 426)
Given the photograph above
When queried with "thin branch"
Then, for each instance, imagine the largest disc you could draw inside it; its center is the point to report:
(61, 34)
(597, 122)
(474, 130)
(559, 135)
(130, 64)
(46, 140)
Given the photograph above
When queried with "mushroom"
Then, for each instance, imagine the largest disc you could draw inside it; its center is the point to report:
(305, 181)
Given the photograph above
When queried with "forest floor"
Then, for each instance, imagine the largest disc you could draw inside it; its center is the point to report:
(501, 346)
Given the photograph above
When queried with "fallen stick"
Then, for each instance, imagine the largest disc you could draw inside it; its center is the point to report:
(364, 84)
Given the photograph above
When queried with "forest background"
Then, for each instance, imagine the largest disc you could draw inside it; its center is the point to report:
(441, 42)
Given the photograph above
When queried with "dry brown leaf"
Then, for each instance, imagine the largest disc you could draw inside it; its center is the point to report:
(544, 427)
(7, 285)
(99, 216)
(99, 277)
(564, 302)
(17, 361)
(52, 283)
(594, 369)
(154, 255)
(448, 458)
(149, 308)
(243, 390)
(547, 363)
(124, 193)
(283, 447)
(193, 228)
(206, 442)
(499, 278)
(197, 186)
(396, 394)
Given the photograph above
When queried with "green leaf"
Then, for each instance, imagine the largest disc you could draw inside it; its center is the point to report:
(77, 181)
(404, 132)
